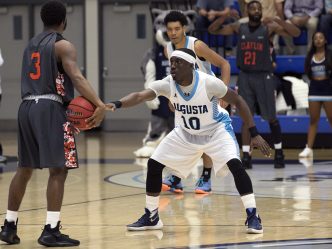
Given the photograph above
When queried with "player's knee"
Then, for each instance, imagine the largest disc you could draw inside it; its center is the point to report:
(235, 166)
(155, 167)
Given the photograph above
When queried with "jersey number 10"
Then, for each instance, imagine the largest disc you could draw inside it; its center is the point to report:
(193, 122)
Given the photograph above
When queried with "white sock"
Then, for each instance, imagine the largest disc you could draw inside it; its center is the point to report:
(248, 201)
(245, 148)
(278, 146)
(152, 202)
(11, 216)
(52, 218)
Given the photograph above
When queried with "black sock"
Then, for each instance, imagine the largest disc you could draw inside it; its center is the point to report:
(176, 179)
(206, 174)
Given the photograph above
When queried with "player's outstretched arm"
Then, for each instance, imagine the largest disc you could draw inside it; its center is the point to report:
(66, 53)
(256, 140)
(132, 99)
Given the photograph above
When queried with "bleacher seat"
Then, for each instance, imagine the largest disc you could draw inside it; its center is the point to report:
(285, 63)
(289, 124)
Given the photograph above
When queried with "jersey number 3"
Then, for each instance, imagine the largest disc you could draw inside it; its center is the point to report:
(35, 57)
(249, 58)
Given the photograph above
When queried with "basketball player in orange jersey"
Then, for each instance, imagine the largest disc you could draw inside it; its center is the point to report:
(175, 23)
(45, 140)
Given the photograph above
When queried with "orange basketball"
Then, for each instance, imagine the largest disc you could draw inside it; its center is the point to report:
(78, 110)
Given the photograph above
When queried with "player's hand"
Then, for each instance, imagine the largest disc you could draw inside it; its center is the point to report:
(261, 144)
(110, 107)
(97, 117)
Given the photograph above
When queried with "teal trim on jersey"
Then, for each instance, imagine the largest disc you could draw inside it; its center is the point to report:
(221, 117)
(187, 42)
(187, 98)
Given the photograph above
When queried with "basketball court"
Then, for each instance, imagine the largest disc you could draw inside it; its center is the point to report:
(107, 192)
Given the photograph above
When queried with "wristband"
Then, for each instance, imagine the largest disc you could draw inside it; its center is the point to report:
(253, 131)
(117, 104)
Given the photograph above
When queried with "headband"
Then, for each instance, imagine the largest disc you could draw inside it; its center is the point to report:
(183, 55)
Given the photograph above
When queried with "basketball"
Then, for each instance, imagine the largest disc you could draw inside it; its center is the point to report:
(79, 109)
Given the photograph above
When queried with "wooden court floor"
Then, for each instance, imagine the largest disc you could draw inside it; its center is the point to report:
(107, 192)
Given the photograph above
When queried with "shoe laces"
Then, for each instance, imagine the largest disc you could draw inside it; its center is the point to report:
(200, 182)
(250, 217)
(144, 218)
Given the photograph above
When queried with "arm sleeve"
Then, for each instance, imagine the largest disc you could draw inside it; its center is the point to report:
(162, 87)
(288, 9)
(215, 87)
(318, 9)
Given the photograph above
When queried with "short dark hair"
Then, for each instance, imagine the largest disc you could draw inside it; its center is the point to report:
(53, 13)
(252, 2)
(176, 16)
(188, 51)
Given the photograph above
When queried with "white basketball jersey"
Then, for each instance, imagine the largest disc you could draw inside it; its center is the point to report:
(194, 112)
(203, 66)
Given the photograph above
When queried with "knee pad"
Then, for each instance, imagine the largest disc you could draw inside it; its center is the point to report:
(241, 178)
(154, 176)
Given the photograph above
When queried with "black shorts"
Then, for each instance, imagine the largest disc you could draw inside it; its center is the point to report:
(257, 89)
(44, 137)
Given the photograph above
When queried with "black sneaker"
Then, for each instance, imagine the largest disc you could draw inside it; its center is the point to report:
(8, 233)
(279, 161)
(148, 221)
(52, 237)
(246, 160)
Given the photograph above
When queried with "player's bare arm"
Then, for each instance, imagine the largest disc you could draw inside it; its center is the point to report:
(283, 27)
(256, 140)
(202, 50)
(66, 53)
(132, 99)
(217, 27)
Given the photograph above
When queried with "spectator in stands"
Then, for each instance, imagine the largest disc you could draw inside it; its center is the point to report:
(326, 19)
(318, 66)
(209, 11)
(302, 13)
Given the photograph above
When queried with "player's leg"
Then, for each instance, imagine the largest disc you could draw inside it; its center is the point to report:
(314, 113)
(51, 235)
(245, 85)
(57, 154)
(266, 100)
(28, 155)
(150, 220)
(244, 186)
(203, 185)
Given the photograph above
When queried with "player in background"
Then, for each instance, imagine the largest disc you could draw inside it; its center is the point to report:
(175, 23)
(256, 83)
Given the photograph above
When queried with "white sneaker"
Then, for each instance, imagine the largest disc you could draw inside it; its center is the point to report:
(307, 152)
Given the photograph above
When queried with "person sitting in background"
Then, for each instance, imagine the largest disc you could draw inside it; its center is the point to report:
(209, 11)
(302, 13)
(318, 66)
(326, 19)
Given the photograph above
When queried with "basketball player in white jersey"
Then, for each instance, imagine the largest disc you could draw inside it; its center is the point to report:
(175, 23)
(202, 127)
